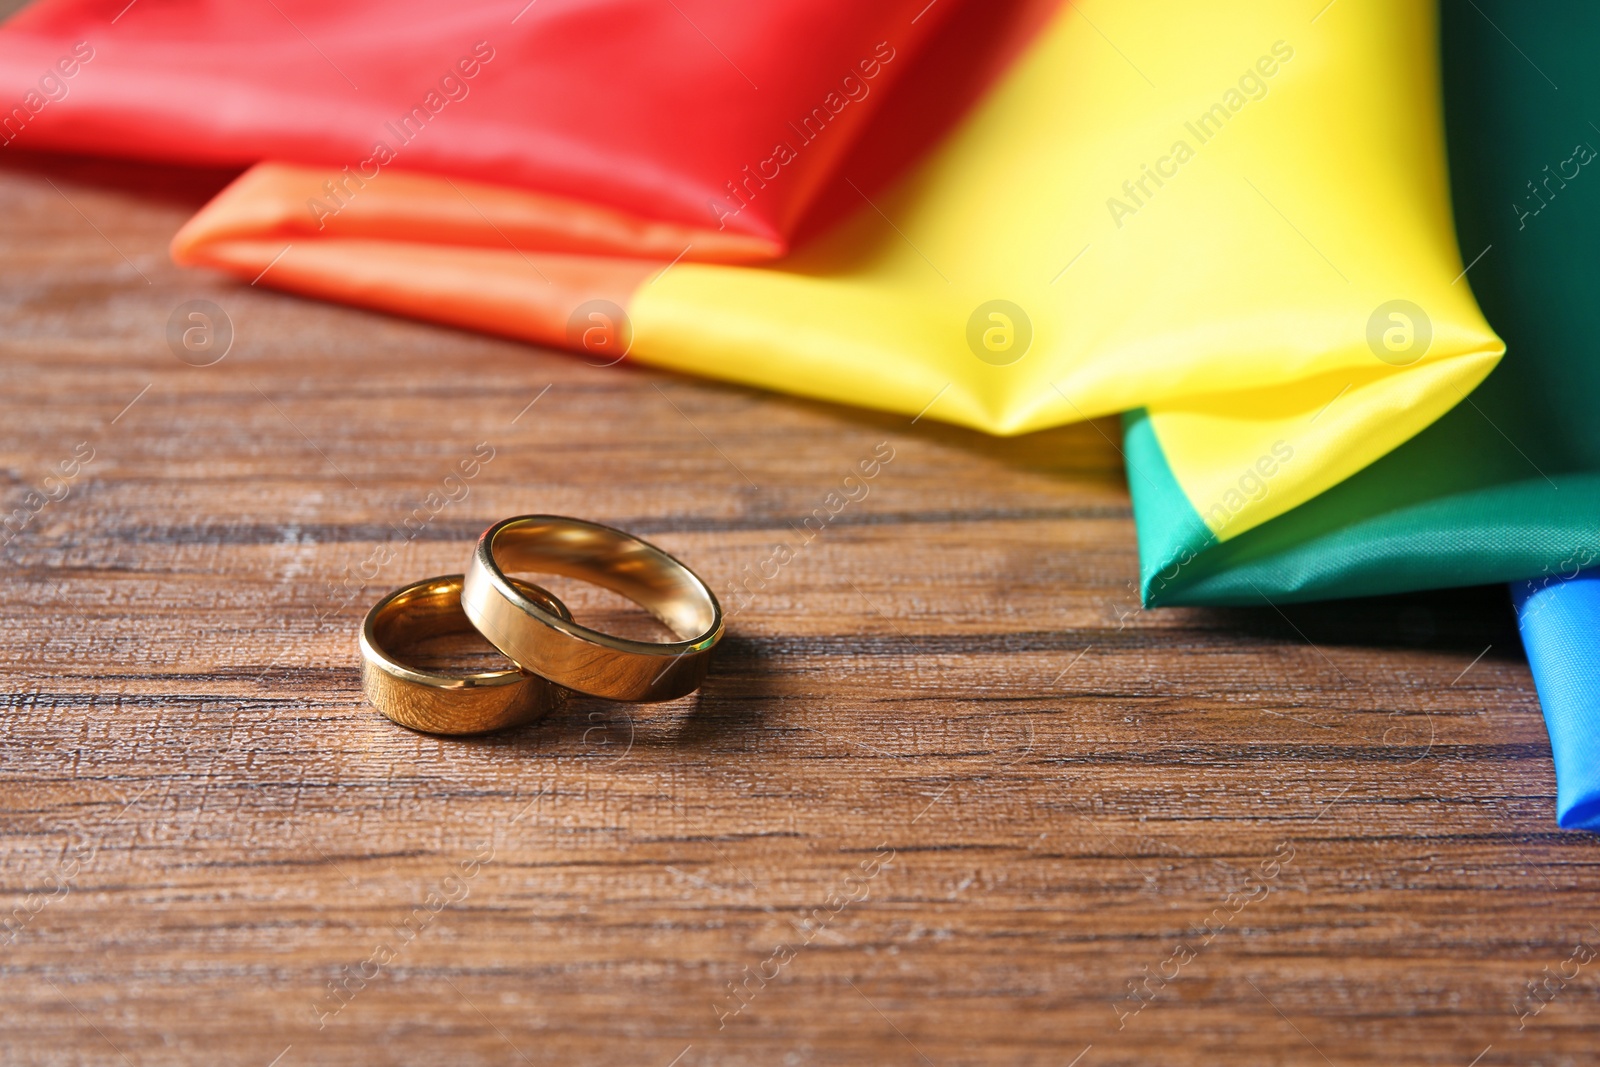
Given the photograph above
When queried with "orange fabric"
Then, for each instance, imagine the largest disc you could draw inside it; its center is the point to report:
(293, 202)
(443, 250)
(530, 297)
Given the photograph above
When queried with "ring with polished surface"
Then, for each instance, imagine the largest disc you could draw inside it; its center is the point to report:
(575, 656)
(446, 703)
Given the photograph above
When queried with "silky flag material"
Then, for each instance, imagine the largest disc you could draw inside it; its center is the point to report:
(1151, 207)
(1507, 485)
(715, 122)
(1559, 619)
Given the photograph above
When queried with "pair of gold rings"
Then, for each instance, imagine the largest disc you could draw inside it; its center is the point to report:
(535, 631)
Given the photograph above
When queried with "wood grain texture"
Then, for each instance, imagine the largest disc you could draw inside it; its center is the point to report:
(1330, 830)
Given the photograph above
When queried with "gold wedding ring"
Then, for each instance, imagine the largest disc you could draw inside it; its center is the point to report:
(543, 642)
(444, 703)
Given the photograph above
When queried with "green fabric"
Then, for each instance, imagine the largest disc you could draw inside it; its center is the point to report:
(1171, 533)
(1507, 484)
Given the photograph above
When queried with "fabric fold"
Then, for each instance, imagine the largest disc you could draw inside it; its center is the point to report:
(1506, 485)
(1192, 225)
(1559, 619)
(662, 111)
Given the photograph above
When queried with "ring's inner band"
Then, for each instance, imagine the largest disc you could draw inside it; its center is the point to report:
(434, 610)
(643, 574)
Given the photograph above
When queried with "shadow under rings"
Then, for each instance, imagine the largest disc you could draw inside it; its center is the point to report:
(724, 710)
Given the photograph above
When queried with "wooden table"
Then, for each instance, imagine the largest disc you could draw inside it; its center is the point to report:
(949, 796)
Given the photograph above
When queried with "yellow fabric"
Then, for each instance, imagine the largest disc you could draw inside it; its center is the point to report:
(1232, 301)
(1243, 458)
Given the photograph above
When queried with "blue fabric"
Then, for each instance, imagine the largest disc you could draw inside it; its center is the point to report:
(1560, 623)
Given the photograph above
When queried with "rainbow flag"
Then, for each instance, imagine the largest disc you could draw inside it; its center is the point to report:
(1007, 216)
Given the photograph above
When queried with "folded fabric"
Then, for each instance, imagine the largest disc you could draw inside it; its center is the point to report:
(1507, 485)
(1559, 619)
(1151, 206)
(656, 110)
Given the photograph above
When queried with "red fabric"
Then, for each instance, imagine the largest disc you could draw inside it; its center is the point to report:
(650, 107)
